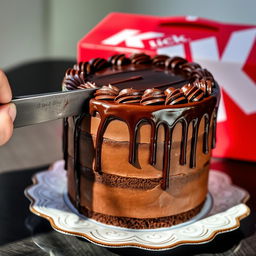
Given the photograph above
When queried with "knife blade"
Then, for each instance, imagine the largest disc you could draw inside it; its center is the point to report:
(38, 108)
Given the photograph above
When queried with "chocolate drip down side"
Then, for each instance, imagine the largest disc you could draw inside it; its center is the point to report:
(77, 174)
(156, 116)
(65, 141)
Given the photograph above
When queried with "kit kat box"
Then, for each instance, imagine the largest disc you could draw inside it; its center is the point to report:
(228, 51)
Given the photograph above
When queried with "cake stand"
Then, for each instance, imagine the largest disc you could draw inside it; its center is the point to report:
(222, 212)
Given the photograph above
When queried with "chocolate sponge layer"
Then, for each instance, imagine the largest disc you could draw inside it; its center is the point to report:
(137, 223)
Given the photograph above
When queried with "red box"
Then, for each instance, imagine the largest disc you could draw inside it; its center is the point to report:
(227, 50)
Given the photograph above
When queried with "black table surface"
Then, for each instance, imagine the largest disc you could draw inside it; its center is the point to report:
(23, 233)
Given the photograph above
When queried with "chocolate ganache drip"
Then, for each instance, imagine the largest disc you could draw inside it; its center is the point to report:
(159, 116)
(142, 95)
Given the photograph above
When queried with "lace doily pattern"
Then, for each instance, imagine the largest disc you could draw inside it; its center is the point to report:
(47, 200)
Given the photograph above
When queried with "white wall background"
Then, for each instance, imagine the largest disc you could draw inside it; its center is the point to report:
(32, 29)
(22, 31)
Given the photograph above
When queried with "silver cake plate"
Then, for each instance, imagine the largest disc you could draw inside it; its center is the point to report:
(223, 209)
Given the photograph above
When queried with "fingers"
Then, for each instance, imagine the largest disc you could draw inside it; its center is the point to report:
(5, 90)
(7, 112)
(7, 116)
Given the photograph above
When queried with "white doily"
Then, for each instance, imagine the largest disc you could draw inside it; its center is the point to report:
(47, 200)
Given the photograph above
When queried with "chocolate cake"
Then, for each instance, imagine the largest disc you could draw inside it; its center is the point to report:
(139, 155)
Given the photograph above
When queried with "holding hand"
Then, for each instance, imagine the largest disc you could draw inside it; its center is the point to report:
(7, 111)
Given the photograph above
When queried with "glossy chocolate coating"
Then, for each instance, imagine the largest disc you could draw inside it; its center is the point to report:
(148, 77)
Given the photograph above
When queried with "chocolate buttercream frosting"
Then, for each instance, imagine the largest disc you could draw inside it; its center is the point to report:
(192, 92)
(73, 79)
(160, 91)
(174, 96)
(152, 96)
(119, 60)
(128, 96)
(106, 92)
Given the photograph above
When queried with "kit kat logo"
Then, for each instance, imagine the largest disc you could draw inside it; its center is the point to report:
(134, 38)
(227, 67)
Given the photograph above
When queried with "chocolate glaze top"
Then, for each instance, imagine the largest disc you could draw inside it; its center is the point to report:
(160, 91)
(141, 72)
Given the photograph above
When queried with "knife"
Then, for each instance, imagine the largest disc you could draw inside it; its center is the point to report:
(38, 108)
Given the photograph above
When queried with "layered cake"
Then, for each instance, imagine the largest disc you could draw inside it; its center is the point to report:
(139, 155)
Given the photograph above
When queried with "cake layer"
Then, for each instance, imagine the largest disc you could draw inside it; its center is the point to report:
(185, 192)
(138, 223)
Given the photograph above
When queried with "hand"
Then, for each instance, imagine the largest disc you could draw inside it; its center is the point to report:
(7, 111)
